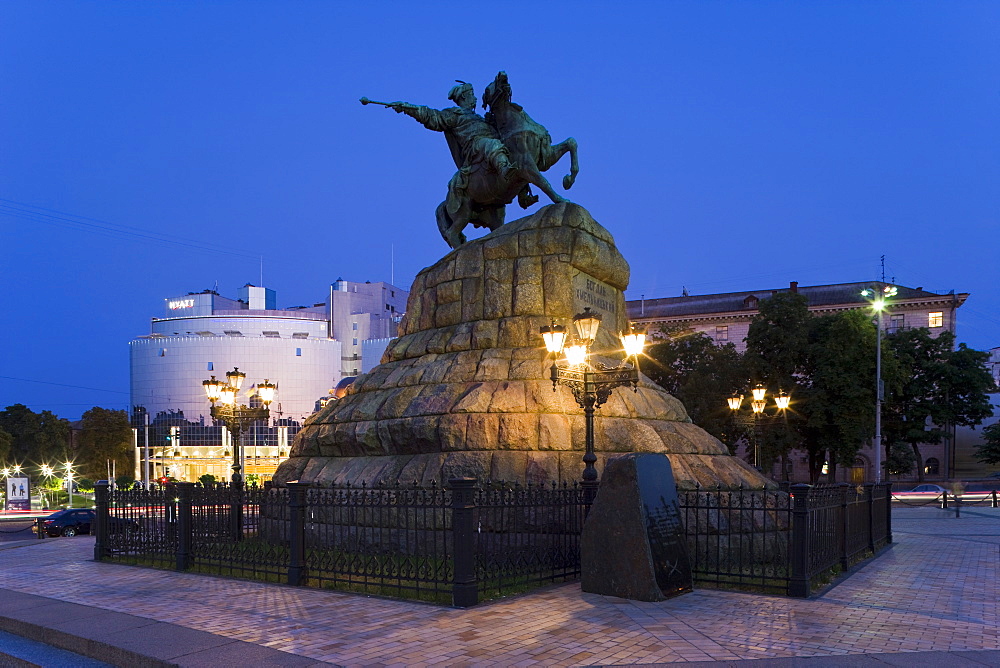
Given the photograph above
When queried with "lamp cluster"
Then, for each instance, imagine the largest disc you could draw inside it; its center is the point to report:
(226, 393)
(236, 417)
(590, 382)
(577, 349)
(759, 403)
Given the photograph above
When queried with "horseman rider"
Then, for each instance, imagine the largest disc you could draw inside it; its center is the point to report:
(471, 139)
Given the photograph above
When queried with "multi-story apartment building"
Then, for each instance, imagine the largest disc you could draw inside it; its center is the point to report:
(726, 319)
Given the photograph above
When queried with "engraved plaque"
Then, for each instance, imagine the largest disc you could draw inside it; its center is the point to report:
(598, 295)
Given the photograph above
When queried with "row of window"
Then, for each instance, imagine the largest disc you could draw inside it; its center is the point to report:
(298, 353)
(896, 322)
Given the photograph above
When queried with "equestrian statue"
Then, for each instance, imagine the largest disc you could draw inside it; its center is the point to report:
(498, 157)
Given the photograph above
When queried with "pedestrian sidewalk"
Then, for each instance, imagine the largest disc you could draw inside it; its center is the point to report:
(931, 599)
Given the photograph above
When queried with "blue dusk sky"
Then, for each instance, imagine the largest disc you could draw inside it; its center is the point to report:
(150, 149)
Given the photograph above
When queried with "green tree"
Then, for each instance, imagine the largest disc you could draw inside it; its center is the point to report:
(778, 341)
(207, 479)
(35, 437)
(777, 356)
(900, 460)
(700, 374)
(837, 400)
(6, 443)
(942, 387)
(105, 435)
(988, 452)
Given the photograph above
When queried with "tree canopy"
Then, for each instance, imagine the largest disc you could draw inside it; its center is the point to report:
(105, 435)
(940, 386)
(988, 452)
(827, 364)
(35, 438)
(701, 375)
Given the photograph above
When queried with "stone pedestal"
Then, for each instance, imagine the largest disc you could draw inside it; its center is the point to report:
(633, 543)
(465, 390)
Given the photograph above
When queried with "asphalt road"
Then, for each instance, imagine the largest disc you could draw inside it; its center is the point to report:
(16, 529)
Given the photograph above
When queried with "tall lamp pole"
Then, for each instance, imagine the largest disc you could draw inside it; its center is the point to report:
(237, 417)
(879, 297)
(590, 381)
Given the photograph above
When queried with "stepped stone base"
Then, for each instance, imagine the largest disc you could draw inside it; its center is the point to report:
(465, 390)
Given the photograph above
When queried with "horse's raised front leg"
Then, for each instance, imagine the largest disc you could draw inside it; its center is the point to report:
(557, 151)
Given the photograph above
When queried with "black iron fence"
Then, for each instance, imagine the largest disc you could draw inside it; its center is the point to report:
(783, 542)
(447, 545)
(470, 541)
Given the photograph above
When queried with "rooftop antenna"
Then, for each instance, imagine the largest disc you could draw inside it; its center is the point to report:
(883, 268)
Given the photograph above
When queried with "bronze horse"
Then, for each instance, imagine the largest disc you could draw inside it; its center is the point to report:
(478, 195)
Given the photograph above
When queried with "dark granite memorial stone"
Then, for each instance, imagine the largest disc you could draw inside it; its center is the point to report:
(633, 543)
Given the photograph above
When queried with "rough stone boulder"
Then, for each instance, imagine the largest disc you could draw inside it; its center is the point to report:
(465, 389)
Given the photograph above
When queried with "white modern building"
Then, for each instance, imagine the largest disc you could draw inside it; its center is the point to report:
(306, 350)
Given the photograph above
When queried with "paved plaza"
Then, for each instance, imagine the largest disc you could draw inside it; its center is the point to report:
(934, 591)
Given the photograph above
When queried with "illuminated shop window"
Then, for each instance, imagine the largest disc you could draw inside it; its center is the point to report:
(935, 319)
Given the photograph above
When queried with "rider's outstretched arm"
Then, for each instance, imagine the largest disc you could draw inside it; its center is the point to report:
(432, 119)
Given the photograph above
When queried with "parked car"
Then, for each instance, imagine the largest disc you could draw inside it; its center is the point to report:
(928, 492)
(73, 521)
(925, 492)
(69, 522)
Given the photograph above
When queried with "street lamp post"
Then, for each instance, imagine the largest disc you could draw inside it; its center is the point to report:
(879, 297)
(237, 418)
(69, 483)
(47, 472)
(590, 381)
(758, 404)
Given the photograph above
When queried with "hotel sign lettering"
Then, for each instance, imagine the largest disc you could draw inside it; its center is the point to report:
(175, 304)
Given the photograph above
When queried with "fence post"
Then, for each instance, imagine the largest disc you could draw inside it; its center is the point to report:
(102, 503)
(185, 528)
(995, 499)
(464, 589)
(297, 531)
(845, 524)
(170, 508)
(798, 583)
(236, 489)
(870, 500)
(888, 512)
(944, 500)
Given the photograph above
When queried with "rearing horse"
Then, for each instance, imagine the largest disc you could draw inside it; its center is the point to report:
(479, 196)
(529, 144)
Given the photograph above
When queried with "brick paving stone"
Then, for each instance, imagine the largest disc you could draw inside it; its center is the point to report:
(935, 590)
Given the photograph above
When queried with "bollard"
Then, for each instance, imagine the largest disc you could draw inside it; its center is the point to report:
(40, 527)
(102, 500)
